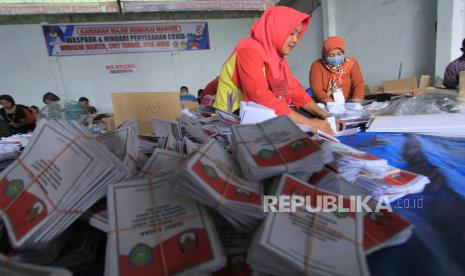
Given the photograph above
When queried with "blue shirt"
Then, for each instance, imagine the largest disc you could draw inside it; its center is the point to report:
(187, 97)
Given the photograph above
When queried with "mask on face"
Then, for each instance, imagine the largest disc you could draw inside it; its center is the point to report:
(335, 61)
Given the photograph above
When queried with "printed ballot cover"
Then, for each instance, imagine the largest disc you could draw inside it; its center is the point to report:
(216, 169)
(271, 144)
(322, 243)
(33, 186)
(162, 162)
(116, 141)
(402, 178)
(346, 150)
(380, 227)
(156, 232)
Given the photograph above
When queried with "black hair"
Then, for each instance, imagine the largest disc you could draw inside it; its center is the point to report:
(50, 96)
(463, 46)
(34, 108)
(184, 87)
(83, 99)
(8, 98)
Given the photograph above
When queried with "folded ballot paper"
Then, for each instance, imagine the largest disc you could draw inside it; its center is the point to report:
(276, 146)
(380, 229)
(14, 268)
(124, 143)
(350, 163)
(60, 174)
(308, 243)
(210, 176)
(154, 231)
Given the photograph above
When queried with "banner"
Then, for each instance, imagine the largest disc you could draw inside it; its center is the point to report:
(72, 40)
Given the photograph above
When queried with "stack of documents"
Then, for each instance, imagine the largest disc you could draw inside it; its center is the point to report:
(393, 186)
(60, 174)
(124, 143)
(308, 243)
(210, 176)
(350, 163)
(154, 231)
(252, 113)
(276, 146)
(161, 163)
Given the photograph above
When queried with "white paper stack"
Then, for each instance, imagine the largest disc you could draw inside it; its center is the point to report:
(276, 146)
(252, 113)
(147, 144)
(162, 128)
(350, 163)
(393, 186)
(305, 243)
(210, 176)
(13, 268)
(97, 216)
(154, 231)
(447, 125)
(62, 172)
(161, 163)
(124, 143)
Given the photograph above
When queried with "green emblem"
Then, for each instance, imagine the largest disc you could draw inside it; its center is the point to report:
(210, 171)
(298, 144)
(340, 214)
(13, 188)
(140, 255)
(266, 154)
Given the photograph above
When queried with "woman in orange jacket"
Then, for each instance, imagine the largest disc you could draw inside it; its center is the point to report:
(335, 73)
(257, 69)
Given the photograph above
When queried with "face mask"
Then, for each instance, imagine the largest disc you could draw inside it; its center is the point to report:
(335, 61)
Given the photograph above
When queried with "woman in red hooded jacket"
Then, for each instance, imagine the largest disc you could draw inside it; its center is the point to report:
(335, 72)
(257, 69)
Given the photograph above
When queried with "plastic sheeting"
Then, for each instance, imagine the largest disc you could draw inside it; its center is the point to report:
(438, 242)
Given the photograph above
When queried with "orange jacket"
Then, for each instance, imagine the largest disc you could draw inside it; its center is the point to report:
(350, 81)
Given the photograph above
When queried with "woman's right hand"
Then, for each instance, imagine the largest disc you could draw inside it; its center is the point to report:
(322, 125)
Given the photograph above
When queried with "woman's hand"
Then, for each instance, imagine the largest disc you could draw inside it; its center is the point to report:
(322, 125)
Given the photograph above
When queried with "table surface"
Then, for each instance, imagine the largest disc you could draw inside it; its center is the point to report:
(438, 241)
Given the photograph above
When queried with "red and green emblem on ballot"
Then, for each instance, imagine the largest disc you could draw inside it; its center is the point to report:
(267, 157)
(210, 175)
(178, 253)
(24, 209)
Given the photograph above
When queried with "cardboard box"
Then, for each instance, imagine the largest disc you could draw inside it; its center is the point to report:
(143, 106)
(192, 106)
(400, 86)
(109, 122)
(462, 84)
(424, 82)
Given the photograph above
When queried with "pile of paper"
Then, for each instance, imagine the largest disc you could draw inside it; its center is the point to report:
(350, 163)
(154, 231)
(210, 176)
(147, 144)
(61, 173)
(161, 163)
(13, 268)
(393, 186)
(308, 243)
(18, 139)
(97, 216)
(447, 125)
(276, 146)
(124, 143)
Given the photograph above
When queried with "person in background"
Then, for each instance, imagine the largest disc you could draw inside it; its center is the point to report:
(199, 93)
(19, 118)
(49, 98)
(258, 71)
(452, 73)
(36, 111)
(84, 102)
(185, 96)
(335, 73)
(209, 92)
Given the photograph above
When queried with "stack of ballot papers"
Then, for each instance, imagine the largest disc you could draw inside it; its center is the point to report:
(380, 229)
(252, 113)
(161, 163)
(162, 128)
(446, 124)
(14, 268)
(393, 186)
(97, 216)
(60, 174)
(350, 163)
(147, 144)
(276, 146)
(308, 243)
(210, 176)
(18, 139)
(124, 143)
(154, 231)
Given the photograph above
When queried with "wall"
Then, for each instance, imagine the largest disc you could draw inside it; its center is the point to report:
(381, 34)
(27, 71)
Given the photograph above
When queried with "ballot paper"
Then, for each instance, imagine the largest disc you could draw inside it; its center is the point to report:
(162, 128)
(380, 229)
(350, 163)
(154, 231)
(252, 113)
(228, 118)
(161, 163)
(276, 146)
(13, 268)
(309, 243)
(210, 176)
(60, 174)
(97, 216)
(124, 143)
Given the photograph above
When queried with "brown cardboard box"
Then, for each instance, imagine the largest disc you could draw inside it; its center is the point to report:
(143, 106)
(424, 82)
(109, 122)
(400, 86)
(192, 106)
(462, 84)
